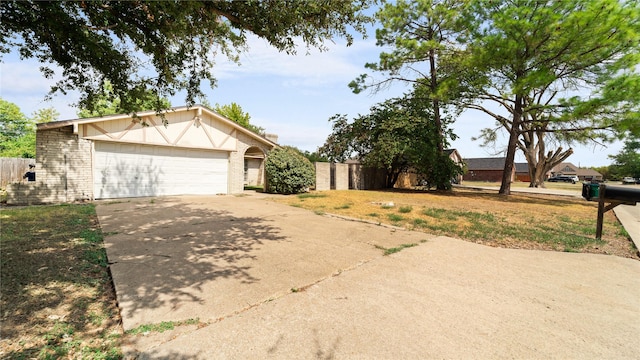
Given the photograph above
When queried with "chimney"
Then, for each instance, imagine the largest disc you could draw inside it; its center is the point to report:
(271, 137)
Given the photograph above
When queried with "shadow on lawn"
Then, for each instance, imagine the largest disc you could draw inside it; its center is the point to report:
(163, 251)
(52, 272)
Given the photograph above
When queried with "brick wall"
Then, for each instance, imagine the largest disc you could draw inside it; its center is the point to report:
(483, 175)
(63, 170)
(323, 176)
(341, 176)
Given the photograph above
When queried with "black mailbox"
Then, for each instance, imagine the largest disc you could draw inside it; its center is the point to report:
(622, 194)
(613, 195)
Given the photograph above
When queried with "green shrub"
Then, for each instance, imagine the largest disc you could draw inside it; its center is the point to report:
(288, 171)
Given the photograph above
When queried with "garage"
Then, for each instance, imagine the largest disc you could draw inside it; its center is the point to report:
(134, 170)
(183, 151)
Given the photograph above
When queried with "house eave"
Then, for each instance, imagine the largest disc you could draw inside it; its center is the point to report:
(198, 108)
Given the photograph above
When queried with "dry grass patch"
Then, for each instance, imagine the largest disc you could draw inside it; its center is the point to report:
(524, 221)
(56, 295)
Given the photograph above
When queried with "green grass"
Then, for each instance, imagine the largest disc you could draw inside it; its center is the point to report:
(405, 209)
(437, 213)
(421, 223)
(576, 234)
(161, 327)
(311, 196)
(395, 217)
(394, 250)
(343, 206)
(53, 260)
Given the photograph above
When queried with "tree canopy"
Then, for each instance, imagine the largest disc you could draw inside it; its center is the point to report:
(18, 132)
(161, 46)
(234, 112)
(565, 69)
(397, 135)
(627, 161)
(13, 123)
(560, 72)
(109, 103)
(424, 42)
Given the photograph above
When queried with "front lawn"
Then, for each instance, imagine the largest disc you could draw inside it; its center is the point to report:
(56, 297)
(523, 221)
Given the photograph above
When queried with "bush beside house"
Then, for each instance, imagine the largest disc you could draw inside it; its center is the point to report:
(288, 171)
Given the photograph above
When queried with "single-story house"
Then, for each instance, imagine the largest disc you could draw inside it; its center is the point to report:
(486, 169)
(567, 168)
(194, 151)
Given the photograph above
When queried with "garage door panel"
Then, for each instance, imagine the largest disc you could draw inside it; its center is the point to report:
(130, 170)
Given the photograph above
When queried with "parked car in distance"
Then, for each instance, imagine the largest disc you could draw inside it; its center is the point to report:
(628, 180)
(564, 178)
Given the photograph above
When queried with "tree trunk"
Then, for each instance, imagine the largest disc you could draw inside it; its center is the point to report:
(539, 162)
(505, 187)
(392, 178)
(433, 85)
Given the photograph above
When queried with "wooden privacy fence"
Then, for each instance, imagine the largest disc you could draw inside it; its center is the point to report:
(12, 170)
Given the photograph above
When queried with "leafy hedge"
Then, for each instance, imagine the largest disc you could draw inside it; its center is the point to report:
(288, 171)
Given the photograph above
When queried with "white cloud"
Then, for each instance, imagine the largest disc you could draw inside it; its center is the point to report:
(23, 77)
(339, 64)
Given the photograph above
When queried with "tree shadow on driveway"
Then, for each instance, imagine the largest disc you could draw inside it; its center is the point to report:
(172, 261)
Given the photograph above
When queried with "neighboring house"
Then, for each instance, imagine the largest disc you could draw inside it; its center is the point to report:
(197, 152)
(410, 178)
(567, 168)
(486, 169)
(522, 172)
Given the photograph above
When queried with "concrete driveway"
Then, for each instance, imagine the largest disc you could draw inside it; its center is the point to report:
(272, 281)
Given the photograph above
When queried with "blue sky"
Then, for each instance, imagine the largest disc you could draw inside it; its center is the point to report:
(291, 96)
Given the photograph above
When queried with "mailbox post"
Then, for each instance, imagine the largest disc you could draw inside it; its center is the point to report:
(613, 195)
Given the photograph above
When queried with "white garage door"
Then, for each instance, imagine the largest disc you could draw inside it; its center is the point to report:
(131, 170)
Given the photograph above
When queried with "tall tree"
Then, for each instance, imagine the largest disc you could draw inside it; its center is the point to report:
(565, 69)
(18, 132)
(627, 161)
(161, 46)
(13, 122)
(14, 128)
(425, 39)
(234, 112)
(45, 115)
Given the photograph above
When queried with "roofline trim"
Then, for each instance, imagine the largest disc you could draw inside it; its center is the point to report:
(199, 108)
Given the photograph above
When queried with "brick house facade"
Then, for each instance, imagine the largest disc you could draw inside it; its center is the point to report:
(486, 169)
